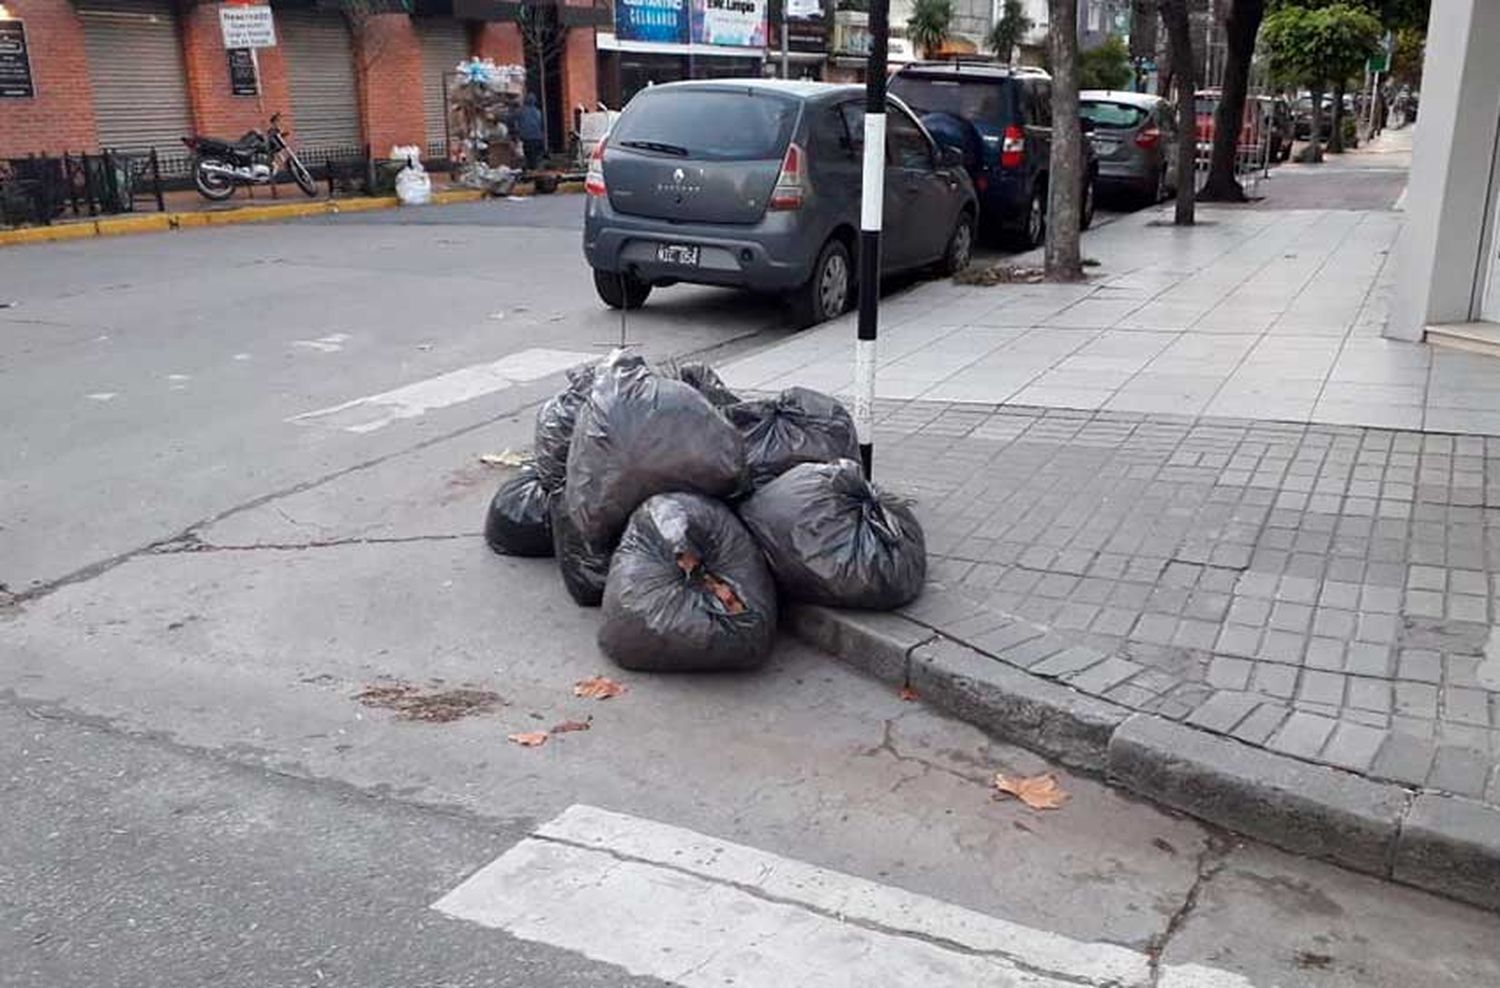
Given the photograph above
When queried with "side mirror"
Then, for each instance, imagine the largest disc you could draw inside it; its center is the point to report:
(950, 157)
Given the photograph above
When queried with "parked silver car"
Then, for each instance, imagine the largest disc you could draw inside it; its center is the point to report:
(1135, 137)
(755, 183)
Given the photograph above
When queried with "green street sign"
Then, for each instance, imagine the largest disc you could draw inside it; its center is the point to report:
(1379, 63)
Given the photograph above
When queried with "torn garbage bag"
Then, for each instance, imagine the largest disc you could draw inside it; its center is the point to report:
(583, 570)
(831, 537)
(797, 426)
(517, 523)
(554, 427)
(642, 434)
(688, 591)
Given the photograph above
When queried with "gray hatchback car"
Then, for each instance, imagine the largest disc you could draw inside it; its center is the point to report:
(755, 183)
(1135, 137)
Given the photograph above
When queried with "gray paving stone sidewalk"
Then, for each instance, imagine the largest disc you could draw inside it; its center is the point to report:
(1322, 591)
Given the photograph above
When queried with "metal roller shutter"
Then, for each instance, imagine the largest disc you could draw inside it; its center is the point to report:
(445, 43)
(319, 56)
(135, 66)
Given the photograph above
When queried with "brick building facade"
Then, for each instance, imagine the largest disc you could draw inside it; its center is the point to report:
(72, 55)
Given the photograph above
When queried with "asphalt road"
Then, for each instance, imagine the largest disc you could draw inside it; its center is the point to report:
(242, 479)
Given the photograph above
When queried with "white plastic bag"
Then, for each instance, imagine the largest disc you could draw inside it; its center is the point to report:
(413, 187)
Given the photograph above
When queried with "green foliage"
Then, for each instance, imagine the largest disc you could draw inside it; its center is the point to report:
(1406, 60)
(1320, 46)
(1008, 30)
(927, 27)
(1105, 67)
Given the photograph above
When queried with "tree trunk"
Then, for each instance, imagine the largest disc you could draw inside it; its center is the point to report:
(1240, 29)
(1065, 176)
(1336, 126)
(1313, 153)
(1174, 14)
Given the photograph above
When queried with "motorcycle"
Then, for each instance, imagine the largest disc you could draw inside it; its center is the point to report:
(255, 159)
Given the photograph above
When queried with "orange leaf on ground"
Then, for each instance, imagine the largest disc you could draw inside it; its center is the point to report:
(529, 739)
(597, 688)
(1040, 792)
(908, 694)
(569, 726)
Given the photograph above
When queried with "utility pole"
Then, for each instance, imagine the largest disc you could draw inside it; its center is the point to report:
(872, 205)
(786, 72)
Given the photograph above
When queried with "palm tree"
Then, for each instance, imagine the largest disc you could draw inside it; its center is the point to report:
(1009, 30)
(928, 25)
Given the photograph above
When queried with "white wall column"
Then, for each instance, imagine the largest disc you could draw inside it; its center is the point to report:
(1453, 159)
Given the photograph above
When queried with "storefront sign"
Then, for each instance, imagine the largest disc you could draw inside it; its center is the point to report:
(247, 26)
(15, 62)
(242, 75)
(741, 23)
(652, 20)
(806, 26)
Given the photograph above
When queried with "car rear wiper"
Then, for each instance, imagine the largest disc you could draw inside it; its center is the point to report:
(662, 146)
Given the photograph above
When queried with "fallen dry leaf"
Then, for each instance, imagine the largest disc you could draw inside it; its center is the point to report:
(529, 739)
(1040, 792)
(568, 726)
(597, 688)
(908, 694)
(509, 458)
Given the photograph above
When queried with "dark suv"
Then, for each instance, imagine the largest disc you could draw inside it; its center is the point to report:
(755, 183)
(1000, 119)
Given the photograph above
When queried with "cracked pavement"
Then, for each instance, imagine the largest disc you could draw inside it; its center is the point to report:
(194, 796)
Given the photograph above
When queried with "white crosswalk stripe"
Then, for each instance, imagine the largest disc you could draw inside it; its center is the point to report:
(665, 902)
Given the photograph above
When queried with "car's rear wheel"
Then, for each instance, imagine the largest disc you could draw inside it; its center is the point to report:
(1034, 224)
(619, 290)
(960, 245)
(827, 291)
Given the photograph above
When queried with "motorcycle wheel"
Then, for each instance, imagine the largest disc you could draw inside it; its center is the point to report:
(301, 175)
(211, 186)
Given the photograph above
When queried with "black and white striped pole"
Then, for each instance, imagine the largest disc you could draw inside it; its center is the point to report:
(871, 206)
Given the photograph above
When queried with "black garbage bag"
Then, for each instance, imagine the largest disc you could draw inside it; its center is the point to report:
(706, 381)
(688, 591)
(517, 523)
(554, 427)
(797, 426)
(642, 434)
(583, 570)
(832, 537)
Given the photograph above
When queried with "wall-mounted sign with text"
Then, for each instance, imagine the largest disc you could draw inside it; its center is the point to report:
(247, 26)
(740, 23)
(15, 62)
(652, 20)
(243, 79)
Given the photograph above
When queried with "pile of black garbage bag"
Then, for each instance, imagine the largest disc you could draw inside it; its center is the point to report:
(683, 510)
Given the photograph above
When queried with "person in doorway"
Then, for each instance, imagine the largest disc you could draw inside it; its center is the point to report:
(528, 124)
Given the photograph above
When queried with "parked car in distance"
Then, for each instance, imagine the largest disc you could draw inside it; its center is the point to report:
(1206, 104)
(1135, 140)
(755, 183)
(1000, 118)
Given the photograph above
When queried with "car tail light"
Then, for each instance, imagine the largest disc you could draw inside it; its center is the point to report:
(1148, 138)
(789, 184)
(593, 183)
(1012, 147)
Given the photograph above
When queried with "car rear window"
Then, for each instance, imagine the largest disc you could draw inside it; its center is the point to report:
(712, 124)
(1106, 114)
(967, 100)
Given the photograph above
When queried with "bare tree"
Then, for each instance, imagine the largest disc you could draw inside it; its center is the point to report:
(1174, 15)
(542, 39)
(1064, 260)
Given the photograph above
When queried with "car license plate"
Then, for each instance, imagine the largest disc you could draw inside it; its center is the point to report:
(685, 254)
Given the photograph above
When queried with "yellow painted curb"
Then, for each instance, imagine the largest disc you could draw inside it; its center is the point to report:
(162, 222)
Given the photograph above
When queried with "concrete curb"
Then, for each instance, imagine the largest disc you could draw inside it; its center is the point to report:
(1432, 841)
(115, 226)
